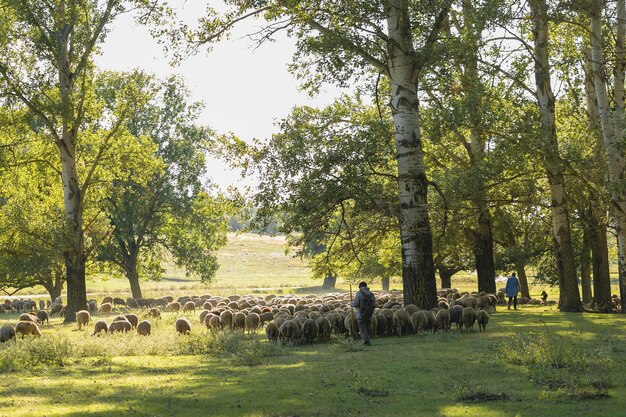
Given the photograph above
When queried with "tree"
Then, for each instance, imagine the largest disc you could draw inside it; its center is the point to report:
(343, 41)
(163, 206)
(46, 64)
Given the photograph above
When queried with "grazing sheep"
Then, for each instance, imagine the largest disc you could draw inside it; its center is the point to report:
(119, 302)
(310, 330)
(443, 319)
(92, 306)
(42, 305)
(154, 312)
(132, 303)
(401, 321)
(419, 321)
(381, 324)
(42, 315)
(122, 326)
(121, 318)
(106, 308)
(289, 332)
(29, 317)
(133, 319)
(83, 318)
(411, 308)
(252, 322)
(7, 333)
(351, 325)
(469, 317)
(26, 328)
(239, 321)
(108, 300)
(56, 309)
(324, 328)
(183, 326)
(456, 316)
(443, 304)
(203, 314)
(388, 315)
(336, 323)
(482, 317)
(174, 306)
(484, 303)
(144, 328)
(100, 326)
(226, 318)
(212, 322)
(189, 306)
(272, 331)
(266, 317)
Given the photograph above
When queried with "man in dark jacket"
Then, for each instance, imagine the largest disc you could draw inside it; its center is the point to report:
(364, 302)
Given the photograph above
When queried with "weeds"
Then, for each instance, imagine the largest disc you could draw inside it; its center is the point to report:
(346, 344)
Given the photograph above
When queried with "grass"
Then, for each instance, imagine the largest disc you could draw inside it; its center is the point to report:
(500, 373)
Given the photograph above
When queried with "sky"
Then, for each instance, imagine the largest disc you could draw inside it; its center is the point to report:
(245, 90)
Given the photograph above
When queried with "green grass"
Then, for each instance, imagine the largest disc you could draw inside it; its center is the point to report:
(492, 374)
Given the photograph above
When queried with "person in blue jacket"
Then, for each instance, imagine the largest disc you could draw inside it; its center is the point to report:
(364, 302)
(512, 289)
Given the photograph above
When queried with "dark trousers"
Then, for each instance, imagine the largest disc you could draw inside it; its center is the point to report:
(514, 300)
(364, 326)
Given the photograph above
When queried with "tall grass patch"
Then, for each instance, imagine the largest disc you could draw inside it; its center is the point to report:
(561, 369)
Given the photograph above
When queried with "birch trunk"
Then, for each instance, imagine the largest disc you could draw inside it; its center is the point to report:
(600, 262)
(418, 273)
(569, 298)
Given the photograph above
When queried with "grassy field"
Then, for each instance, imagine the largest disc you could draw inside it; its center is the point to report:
(531, 362)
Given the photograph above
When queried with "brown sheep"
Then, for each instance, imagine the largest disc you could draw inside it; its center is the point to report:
(29, 317)
(482, 317)
(469, 317)
(174, 306)
(122, 326)
(310, 330)
(351, 325)
(203, 314)
(189, 306)
(411, 308)
(7, 333)
(239, 321)
(154, 312)
(212, 322)
(266, 317)
(226, 318)
(419, 321)
(92, 306)
(108, 300)
(83, 318)
(324, 328)
(272, 331)
(133, 319)
(106, 308)
(484, 303)
(100, 326)
(401, 321)
(183, 326)
(26, 328)
(56, 309)
(388, 315)
(289, 332)
(252, 322)
(42, 315)
(144, 328)
(443, 320)
(456, 316)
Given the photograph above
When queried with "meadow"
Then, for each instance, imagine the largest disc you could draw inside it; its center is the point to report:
(534, 361)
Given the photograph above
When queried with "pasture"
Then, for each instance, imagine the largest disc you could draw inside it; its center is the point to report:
(532, 362)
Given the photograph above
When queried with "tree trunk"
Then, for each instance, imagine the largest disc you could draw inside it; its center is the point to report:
(612, 122)
(418, 273)
(585, 266)
(54, 288)
(483, 254)
(600, 259)
(446, 277)
(133, 275)
(329, 281)
(568, 284)
(520, 268)
(385, 283)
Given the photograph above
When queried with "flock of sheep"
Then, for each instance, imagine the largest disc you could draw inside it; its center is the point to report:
(288, 319)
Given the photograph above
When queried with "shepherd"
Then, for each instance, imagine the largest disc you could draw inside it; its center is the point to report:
(365, 303)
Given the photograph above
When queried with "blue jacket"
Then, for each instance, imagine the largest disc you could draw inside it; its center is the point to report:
(363, 291)
(512, 287)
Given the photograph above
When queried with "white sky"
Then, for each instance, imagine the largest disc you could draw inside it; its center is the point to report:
(245, 91)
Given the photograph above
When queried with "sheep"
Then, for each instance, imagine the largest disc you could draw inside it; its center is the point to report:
(482, 317)
(108, 300)
(183, 326)
(189, 307)
(132, 303)
(239, 321)
(212, 322)
(7, 333)
(484, 303)
(411, 308)
(272, 331)
(106, 308)
(56, 309)
(203, 314)
(100, 326)
(144, 328)
(121, 318)
(336, 323)
(443, 304)
(42, 305)
(252, 322)
(381, 325)
(133, 319)
(174, 306)
(29, 317)
(122, 326)
(154, 312)
(26, 328)
(266, 317)
(226, 318)
(351, 326)
(324, 328)
(83, 318)
(289, 331)
(119, 302)
(310, 330)
(419, 321)
(388, 315)
(443, 319)
(401, 321)
(469, 317)
(42, 315)
(456, 316)
(92, 306)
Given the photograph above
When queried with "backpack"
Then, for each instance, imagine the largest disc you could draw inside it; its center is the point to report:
(367, 305)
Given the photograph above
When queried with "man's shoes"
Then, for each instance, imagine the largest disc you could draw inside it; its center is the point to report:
(367, 343)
